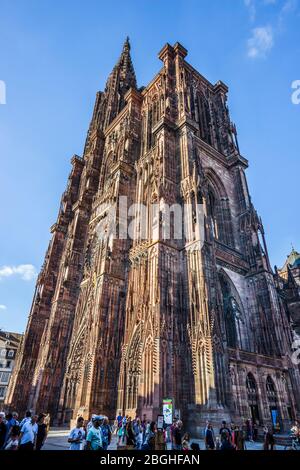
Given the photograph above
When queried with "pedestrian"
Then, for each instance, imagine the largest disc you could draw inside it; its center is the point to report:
(226, 441)
(255, 431)
(149, 442)
(115, 427)
(77, 435)
(3, 429)
(42, 432)
(172, 429)
(144, 425)
(209, 437)
(295, 433)
(13, 441)
(28, 434)
(186, 442)
(27, 418)
(233, 431)
(269, 440)
(119, 419)
(130, 437)
(106, 434)
(177, 436)
(94, 436)
(138, 433)
(224, 432)
(90, 423)
(121, 432)
(249, 430)
(11, 420)
(47, 421)
(240, 438)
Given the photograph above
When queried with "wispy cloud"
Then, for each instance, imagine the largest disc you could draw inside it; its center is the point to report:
(251, 6)
(262, 38)
(260, 42)
(26, 272)
(3, 307)
(288, 7)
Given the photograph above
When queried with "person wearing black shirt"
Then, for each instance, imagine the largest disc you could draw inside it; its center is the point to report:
(224, 431)
(3, 431)
(130, 435)
(177, 436)
(226, 444)
(42, 432)
(209, 437)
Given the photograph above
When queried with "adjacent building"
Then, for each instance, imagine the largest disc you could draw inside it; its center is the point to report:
(288, 284)
(118, 323)
(9, 344)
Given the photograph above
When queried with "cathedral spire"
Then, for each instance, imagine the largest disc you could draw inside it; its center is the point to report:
(110, 102)
(125, 66)
(120, 80)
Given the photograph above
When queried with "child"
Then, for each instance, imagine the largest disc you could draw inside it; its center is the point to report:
(13, 441)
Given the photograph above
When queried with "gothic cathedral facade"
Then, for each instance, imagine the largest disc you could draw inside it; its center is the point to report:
(119, 323)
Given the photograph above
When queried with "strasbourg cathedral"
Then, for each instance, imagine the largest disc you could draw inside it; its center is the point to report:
(117, 325)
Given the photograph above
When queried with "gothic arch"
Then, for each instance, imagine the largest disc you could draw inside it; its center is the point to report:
(234, 318)
(148, 366)
(107, 165)
(218, 209)
(202, 106)
(271, 391)
(274, 406)
(252, 397)
(215, 181)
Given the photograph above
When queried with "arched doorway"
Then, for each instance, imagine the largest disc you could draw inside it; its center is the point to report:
(252, 397)
(273, 403)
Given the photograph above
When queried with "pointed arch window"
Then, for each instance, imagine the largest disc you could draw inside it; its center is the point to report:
(234, 320)
(204, 118)
(229, 314)
(271, 391)
(252, 397)
(211, 212)
(219, 211)
(251, 389)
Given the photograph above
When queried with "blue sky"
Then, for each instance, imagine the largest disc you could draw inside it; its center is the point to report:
(56, 55)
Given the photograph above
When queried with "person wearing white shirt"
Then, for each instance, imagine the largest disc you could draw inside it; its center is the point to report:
(26, 419)
(28, 434)
(77, 435)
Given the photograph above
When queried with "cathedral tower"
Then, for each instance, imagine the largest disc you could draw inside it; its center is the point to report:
(177, 297)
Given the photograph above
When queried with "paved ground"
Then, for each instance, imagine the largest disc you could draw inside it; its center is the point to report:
(58, 440)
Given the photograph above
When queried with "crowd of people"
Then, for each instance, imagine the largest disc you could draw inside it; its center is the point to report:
(97, 434)
(141, 434)
(28, 434)
(231, 437)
